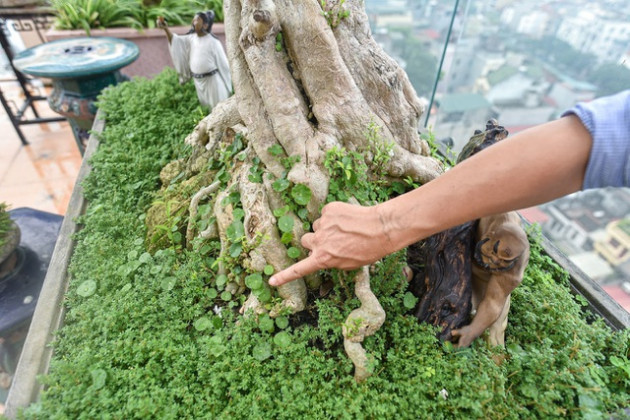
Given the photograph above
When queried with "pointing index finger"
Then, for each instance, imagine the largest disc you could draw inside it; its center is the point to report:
(300, 269)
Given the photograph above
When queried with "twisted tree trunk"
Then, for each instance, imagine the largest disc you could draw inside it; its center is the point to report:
(307, 79)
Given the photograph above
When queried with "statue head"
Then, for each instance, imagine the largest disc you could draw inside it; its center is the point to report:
(202, 22)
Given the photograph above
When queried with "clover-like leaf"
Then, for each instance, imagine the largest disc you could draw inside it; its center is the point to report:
(268, 270)
(265, 323)
(254, 281)
(281, 184)
(203, 323)
(236, 249)
(282, 339)
(236, 230)
(145, 258)
(99, 377)
(262, 351)
(87, 288)
(293, 252)
(168, 283)
(285, 223)
(282, 322)
(221, 280)
(238, 213)
(301, 194)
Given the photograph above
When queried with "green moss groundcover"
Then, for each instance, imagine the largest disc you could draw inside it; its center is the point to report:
(152, 335)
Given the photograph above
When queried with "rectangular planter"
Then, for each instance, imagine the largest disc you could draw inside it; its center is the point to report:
(49, 313)
(153, 45)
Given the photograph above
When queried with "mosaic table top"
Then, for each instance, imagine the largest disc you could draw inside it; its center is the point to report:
(76, 57)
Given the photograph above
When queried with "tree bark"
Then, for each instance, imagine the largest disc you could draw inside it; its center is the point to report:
(308, 77)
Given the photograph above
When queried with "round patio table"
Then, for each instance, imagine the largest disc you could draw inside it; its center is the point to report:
(79, 69)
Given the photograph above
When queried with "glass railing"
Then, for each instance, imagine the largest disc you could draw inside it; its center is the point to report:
(522, 63)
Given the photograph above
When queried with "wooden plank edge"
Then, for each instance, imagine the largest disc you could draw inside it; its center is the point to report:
(49, 311)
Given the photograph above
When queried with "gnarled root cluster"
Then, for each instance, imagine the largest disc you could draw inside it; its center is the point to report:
(303, 86)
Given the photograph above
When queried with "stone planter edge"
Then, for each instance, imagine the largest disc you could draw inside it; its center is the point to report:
(49, 312)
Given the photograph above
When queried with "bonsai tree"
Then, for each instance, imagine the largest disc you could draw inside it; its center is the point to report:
(319, 110)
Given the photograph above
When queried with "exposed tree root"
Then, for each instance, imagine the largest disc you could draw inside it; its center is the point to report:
(194, 208)
(362, 322)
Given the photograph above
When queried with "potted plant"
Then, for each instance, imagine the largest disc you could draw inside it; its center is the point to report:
(9, 240)
(133, 20)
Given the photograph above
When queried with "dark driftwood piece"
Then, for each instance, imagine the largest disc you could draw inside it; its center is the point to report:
(442, 266)
(442, 263)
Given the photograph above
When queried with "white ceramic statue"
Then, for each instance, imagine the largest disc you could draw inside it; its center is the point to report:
(199, 55)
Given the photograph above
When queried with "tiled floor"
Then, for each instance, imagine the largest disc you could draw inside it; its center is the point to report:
(40, 175)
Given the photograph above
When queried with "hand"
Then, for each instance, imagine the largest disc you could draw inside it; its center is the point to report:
(466, 336)
(345, 237)
(160, 23)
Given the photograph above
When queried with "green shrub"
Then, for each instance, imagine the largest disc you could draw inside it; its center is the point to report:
(138, 14)
(152, 336)
(5, 222)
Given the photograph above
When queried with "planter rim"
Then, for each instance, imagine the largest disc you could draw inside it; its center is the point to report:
(128, 33)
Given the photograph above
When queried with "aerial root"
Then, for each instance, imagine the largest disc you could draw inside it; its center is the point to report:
(193, 209)
(362, 322)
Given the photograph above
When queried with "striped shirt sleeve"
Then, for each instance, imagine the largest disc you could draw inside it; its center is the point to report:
(608, 121)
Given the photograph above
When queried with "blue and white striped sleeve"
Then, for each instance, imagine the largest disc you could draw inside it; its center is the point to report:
(608, 121)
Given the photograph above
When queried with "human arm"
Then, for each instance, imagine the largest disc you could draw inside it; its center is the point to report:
(161, 24)
(529, 168)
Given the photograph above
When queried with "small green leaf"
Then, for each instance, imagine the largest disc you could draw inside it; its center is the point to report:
(168, 283)
(282, 322)
(226, 296)
(410, 300)
(145, 258)
(282, 339)
(280, 211)
(276, 150)
(265, 323)
(87, 288)
(268, 270)
(177, 237)
(285, 223)
(235, 231)
(301, 194)
(217, 322)
(221, 280)
(235, 197)
(212, 293)
(203, 323)
(238, 213)
(262, 351)
(281, 184)
(263, 294)
(286, 238)
(236, 249)
(293, 252)
(302, 213)
(99, 377)
(254, 281)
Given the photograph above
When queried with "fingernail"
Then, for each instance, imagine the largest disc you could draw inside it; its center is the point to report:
(272, 281)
